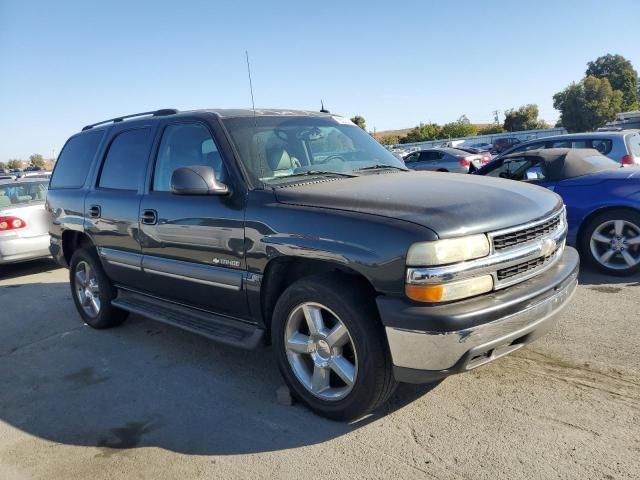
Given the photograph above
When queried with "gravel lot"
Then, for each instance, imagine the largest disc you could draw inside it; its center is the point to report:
(150, 401)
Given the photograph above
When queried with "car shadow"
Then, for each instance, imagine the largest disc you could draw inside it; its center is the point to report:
(608, 283)
(146, 384)
(15, 270)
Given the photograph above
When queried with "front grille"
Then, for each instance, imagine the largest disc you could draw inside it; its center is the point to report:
(524, 267)
(525, 235)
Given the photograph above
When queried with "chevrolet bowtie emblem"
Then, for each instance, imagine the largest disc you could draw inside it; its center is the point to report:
(548, 247)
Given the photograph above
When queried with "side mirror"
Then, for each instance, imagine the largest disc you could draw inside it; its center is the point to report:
(196, 180)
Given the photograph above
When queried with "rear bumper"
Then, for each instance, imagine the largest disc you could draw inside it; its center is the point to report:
(17, 249)
(431, 342)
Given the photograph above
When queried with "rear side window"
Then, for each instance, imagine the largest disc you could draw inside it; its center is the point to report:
(75, 160)
(126, 161)
(603, 145)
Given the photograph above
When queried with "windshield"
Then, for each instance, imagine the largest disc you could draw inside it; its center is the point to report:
(278, 150)
(15, 194)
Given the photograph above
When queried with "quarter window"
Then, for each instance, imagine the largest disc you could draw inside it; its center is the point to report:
(602, 145)
(75, 160)
(126, 160)
(185, 145)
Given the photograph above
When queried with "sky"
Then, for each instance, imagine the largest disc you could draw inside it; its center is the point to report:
(64, 64)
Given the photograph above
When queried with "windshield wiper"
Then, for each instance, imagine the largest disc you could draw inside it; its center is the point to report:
(317, 172)
(380, 166)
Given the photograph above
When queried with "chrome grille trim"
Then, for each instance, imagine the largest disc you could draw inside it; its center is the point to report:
(548, 247)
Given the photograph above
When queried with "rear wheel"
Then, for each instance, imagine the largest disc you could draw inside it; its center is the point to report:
(331, 348)
(92, 290)
(611, 241)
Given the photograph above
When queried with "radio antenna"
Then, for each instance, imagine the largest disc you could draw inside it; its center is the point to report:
(253, 105)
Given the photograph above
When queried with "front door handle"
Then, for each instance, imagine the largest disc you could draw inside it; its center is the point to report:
(95, 211)
(149, 217)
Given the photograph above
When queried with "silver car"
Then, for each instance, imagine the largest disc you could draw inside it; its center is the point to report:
(24, 231)
(445, 160)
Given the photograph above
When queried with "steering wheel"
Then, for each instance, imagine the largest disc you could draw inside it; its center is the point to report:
(332, 157)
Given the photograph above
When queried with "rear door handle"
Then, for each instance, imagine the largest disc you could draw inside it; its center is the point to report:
(149, 217)
(95, 211)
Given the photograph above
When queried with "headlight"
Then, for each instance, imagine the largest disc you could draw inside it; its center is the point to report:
(446, 292)
(442, 252)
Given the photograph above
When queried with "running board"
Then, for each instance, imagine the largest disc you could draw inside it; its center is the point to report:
(210, 325)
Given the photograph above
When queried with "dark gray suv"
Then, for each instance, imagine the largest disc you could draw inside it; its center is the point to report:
(300, 230)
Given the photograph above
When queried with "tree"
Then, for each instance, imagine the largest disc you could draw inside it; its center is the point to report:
(3, 166)
(422, 133)
(389, 140)
(523, 118)
(359, 121)
(36, 160)
(14, 163)
(460, 128)
(621, 75)
(491, 129)
(587, 105)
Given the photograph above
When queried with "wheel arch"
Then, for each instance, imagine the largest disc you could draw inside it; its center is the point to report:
(283, 271)
(73, 240)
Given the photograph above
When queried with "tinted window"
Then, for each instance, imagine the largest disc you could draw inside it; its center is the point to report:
(184, 146)
(412, 157)
(125, 163)
(75, 160)
(604, 146)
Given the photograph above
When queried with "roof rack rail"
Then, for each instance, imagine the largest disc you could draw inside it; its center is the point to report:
(157, 113)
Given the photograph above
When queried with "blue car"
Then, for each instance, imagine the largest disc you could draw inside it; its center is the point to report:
(602, 200)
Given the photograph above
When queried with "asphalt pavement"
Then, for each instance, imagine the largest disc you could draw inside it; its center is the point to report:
(146, 400)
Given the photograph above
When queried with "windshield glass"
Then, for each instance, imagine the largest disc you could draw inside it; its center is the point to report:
(278, 150)
(14, 193)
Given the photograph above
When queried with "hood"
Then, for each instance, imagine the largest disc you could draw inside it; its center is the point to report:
(449, 204)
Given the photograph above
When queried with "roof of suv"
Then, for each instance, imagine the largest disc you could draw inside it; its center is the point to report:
(220, 112)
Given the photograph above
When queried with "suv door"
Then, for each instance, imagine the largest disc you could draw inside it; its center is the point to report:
(193, 245)
(111, 207)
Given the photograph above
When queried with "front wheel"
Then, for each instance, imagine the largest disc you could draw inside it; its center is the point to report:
(331, 348)
(92, 291)
(611, 241)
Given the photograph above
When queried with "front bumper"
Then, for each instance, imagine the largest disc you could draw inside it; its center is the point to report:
(19, 249)
(431, 342)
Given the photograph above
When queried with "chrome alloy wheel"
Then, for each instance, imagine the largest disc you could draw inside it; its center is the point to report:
(615, 244)
(87, 289)
(320, 351)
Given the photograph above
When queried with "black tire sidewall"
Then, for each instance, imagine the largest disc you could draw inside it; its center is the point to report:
(366, 334)
(595, 222)
(108, 315)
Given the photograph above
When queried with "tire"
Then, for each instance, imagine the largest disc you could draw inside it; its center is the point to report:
(97, 290)
(340, 302)
(605, 242)
(442, 170)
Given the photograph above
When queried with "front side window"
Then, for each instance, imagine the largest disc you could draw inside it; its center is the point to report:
(279, 149)
(75, 160)
(185, 145)
(516, 169)
(126, 160)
